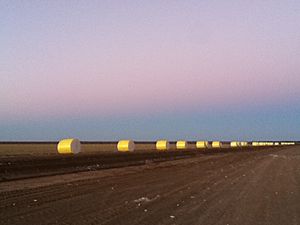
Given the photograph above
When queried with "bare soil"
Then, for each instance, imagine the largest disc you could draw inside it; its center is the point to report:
(242, 187)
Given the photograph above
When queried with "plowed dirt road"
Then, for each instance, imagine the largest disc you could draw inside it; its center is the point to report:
(253, 187)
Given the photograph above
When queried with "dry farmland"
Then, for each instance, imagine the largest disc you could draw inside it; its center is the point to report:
(241, 185)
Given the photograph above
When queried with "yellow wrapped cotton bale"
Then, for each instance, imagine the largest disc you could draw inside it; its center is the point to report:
(288, 143)
(255, 143)
(244, 144)
(262, 143)
(69, 146)
(181, 145)
(202, 144)
(162, 145)
(234, 144)
(126, 146)
(217, 144)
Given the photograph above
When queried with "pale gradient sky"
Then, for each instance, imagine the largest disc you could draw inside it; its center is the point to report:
(105, 70)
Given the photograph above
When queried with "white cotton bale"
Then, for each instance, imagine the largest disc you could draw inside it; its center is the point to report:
(181, 144)
(255, 143)
(202, 144)
(69, 146)
(162, 145)
(276, 143)
(217, 144)
(126, 146)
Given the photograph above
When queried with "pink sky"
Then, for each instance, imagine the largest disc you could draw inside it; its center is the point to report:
(111, 58)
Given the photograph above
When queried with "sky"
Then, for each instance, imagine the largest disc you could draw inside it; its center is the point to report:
(144, 70)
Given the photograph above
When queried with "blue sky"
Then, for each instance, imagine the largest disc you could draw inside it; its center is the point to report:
(263, 123)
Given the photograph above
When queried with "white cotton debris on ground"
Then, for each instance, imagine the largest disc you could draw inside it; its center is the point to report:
(279, 156)
(146, 199)
(142, 199)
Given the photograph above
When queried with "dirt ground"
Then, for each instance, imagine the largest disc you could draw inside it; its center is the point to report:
(246, 187)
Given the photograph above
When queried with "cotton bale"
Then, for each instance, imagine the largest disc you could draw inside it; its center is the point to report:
(162, 145)
(234, 144)
(181, 144)
(217, 144)
(288, 143)
(126, 146)
(69, 146)
(202, 144)
(244, 144)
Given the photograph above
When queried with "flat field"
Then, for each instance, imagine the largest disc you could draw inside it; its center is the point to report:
(216, 187)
